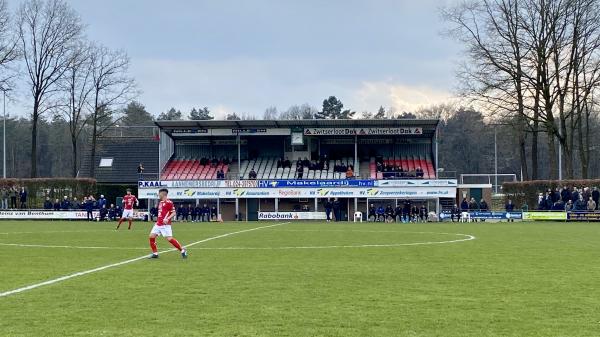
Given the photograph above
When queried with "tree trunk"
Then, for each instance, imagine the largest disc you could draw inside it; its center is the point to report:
(34, 122)
(93, 149)
(74, 149)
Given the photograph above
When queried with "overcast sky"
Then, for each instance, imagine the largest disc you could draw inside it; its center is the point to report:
(245, 56)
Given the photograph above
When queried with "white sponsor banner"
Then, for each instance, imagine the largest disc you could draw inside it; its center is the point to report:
(416, 183)
(57, 215)
(150, 184)
(357, 192)
(362, 131)
(231, 132)
(292, 216)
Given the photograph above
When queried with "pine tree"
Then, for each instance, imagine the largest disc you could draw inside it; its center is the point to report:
(202, 114)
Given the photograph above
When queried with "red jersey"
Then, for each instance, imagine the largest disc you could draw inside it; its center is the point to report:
(165, 208)
(128, 201)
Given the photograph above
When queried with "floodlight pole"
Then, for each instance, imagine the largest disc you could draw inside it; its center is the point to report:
(496, 159)
(4, 134)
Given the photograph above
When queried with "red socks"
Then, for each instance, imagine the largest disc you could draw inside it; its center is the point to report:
(153, 245)
(175, 244)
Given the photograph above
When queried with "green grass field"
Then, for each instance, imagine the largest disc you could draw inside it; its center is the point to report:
(518, 279)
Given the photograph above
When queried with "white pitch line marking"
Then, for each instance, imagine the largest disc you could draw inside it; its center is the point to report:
(90, 271)
(468, 237)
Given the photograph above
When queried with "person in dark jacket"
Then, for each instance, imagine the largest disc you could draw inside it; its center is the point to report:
(596, 196)
(565, 194)
(509, 207)
(398, 214)
(89, 207)
(464, 205)
(23, 198)
(65, 205)
(328, 208)
(153, 213)
(48, 204)
(380, 214)
(112, 213)
(372, 213)
(389, 213)
(56, 205)
(194, 213)
(337, 209)
(483, 206)
(103, 213)
(205, 213)
(423, 213)
(455, 213)
(580, 204)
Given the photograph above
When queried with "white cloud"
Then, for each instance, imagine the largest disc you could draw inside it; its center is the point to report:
(399, 96)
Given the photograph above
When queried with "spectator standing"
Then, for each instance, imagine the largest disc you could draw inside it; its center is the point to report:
(140, 171)
(464, 205)
(13, 197)
(102, 201)
(596, 196)
(56, 205)
(337, 209)
(23, 198)
(89, 208)
(328, 208)
(5, 196)
(509, 207)
(65, 205)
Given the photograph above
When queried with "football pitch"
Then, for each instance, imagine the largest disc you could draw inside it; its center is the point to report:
(301, 279)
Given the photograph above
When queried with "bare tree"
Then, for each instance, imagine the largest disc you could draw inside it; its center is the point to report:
(8, 47)
(77, 87)
(48, 31)
(112, 88)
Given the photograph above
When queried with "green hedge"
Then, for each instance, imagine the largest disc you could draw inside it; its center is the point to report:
(528, 191)
(55, 188)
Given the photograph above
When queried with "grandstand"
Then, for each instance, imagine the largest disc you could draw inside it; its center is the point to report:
(374, 149)
(247, 167)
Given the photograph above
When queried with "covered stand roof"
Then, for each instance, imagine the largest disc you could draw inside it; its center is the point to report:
(429, 125)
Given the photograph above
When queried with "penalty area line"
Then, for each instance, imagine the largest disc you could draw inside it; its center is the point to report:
(112, 265)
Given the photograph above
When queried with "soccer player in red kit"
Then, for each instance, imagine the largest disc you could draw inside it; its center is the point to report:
(128, 201)
(166, 211)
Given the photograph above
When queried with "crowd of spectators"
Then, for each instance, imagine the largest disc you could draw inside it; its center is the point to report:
(397, 171)
(405, 213)
(569, 199)
(89, 204)
(14, 197)
(188, 212)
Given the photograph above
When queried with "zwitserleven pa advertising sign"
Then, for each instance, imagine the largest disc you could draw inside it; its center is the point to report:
(544, 215)
(583, 216)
